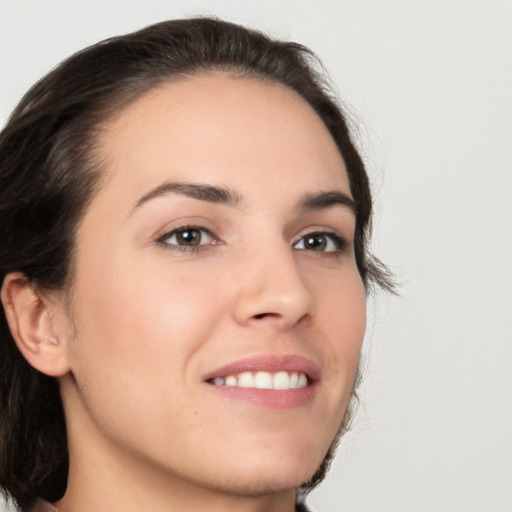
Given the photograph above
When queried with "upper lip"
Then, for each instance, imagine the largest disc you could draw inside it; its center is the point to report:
(268, 363)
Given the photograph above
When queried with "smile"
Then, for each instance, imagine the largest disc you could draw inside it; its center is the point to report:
(280, 380)
(269, 381)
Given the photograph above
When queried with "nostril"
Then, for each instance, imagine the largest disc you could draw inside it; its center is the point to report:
(261, 316)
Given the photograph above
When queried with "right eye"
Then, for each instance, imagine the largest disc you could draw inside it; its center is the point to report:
(186, 238)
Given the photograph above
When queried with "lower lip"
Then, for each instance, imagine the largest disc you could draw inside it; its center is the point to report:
(269, 398)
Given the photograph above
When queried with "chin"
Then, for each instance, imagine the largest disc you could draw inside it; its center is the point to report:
(260, 484)
(289, 467)
(271, 475)
(274, 463)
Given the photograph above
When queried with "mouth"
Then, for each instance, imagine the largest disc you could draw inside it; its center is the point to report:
(270, 381)
(281, 380)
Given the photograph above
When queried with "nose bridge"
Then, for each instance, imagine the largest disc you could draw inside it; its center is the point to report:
(271, 287)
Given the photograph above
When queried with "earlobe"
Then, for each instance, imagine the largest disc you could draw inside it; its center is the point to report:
(30, 316)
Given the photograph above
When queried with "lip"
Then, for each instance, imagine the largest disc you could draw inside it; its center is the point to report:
(268, 398)
(269, 363)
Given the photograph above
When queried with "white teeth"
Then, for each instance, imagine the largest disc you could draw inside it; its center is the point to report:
(281, 380)
(231, 380)
(264, 380)
(246, 380)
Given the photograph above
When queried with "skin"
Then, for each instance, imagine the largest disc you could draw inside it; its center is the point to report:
(148, 319)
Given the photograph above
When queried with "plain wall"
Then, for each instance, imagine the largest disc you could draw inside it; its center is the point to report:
(430, 86)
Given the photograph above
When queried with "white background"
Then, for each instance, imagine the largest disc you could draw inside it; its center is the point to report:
(430, 85)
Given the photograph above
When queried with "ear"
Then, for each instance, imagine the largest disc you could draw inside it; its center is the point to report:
(32, 315)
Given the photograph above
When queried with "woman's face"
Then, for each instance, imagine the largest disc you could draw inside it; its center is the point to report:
(215, 262)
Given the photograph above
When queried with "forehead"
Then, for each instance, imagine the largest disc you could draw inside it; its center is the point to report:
(223, 130)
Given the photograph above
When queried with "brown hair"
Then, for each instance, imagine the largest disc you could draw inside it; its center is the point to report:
(48, 174)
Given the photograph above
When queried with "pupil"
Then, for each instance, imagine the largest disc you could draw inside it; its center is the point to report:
(316, 242)
(189, 237)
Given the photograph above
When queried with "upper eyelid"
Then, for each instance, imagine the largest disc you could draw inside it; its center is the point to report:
(321, 230)
(313, 229)
(298, 236)
(167, 233)
(337, 237)
(183, 224)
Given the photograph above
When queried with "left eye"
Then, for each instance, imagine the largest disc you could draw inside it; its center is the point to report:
(320, 242)
(187, 237)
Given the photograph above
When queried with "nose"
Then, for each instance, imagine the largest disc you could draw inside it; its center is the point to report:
(271, 291)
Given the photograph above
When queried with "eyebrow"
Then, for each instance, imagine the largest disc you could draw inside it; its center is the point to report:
(323, 200)
(224, 195)
(203, 192)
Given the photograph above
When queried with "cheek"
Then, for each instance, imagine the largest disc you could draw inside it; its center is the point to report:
(136, 335)
(141, 327)
(341, 314)
(341, 308)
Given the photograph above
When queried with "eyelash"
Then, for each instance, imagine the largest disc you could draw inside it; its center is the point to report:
(340, 244)
(163, 240)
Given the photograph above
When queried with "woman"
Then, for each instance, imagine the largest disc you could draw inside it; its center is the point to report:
(184, 221)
